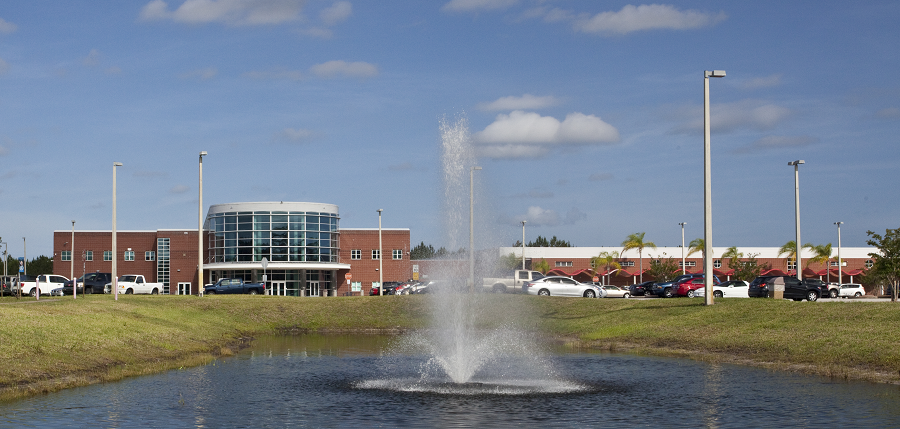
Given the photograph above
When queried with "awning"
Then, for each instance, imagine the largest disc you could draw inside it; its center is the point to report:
(276, 266)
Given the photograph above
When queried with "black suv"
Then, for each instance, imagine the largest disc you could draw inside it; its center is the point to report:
(640, 289)
(95, 283)
(808, 289)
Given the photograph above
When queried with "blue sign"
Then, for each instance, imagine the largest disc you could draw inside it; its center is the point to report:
(21, 264)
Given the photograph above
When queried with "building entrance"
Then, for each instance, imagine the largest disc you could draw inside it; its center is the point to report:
(312, 288)
(184, 288)
(277, 288)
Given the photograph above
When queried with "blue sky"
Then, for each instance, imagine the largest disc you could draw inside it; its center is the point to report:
(586, 116)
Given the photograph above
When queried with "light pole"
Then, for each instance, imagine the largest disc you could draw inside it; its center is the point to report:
(380, 259)
(5, 258)
(523, 244)
(682, 245)
(472, 228)
(72, 263)
(707, 190)
(200, 231)
(840, 264)
(115, 276)
(796, 165)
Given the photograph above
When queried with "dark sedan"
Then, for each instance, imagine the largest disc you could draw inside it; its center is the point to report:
(640, 289)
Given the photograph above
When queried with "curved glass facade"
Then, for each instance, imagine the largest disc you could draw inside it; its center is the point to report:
(278, 236)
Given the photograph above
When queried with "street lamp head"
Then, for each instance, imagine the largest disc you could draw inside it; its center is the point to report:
(203, 153)
(117, 164)
(838, 224)
(476, 168)
(714, 73)
(379, 211)
(797, 162)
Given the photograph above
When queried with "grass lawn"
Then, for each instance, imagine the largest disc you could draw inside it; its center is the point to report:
(61, 342)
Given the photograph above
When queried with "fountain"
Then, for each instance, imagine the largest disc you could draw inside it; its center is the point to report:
(464, 358)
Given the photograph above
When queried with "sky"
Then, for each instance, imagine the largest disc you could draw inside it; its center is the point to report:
(585, 116)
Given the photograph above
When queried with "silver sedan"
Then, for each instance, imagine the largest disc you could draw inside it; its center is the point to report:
(564, 286)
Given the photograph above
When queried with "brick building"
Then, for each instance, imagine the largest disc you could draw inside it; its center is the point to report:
(298, 248)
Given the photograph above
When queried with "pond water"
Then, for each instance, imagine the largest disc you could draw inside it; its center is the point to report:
(358, 381)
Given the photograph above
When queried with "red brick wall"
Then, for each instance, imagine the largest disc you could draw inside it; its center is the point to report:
(365, 269)
(98, 242)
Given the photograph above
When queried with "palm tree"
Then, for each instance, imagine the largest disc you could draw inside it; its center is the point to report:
(636, 241)
(607, 259)
(697, 245)
(789, 249)
(821, 253)
(733, 256)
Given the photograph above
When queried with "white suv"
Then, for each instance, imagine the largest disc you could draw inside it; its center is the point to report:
(854, 290)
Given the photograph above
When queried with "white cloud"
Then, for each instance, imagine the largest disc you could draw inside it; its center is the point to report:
(646, 17)
(537, 216)
(886, 113)
(527, 135)
(763, 82)
(7, 27)
(231, 12)
(526, 101)
(342, 68)
(274, 75)
(202, 74)
(179, 189)
(299, 135)
(477, 5)
(775, 143)
(92, 58)
(745, 114)
(4, 66)
(338, 12)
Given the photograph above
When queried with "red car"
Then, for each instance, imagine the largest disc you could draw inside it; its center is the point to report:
(686, 287)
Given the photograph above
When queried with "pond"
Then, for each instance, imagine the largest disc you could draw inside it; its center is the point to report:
(362, 381)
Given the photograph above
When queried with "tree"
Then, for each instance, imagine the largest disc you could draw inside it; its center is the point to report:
(541, 266)
(509, 262)
(636, 241)
(733, 256)
(663, 269)
(887, 263)
(40, 265)
(606, 259)
(749, 269)
(821, 253)
(553, 242)
(422, 252)
(697, 245)
(789, 249)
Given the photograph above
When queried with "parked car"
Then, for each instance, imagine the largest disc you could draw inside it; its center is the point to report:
(793, 288)
(729, 289)
(46, 283)
(234, 286)
(563, 286)
(640, 289)
(389, 289)
(95, 283)
(616, 292)
(834, 290)
(854, 290)
(134, 284)
(683, 285)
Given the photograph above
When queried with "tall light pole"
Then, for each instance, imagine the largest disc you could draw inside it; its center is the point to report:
(472, 228)
(682, 245)
(840, 264)
(380, 259)
(707, 190)
(200, 231)
(115, 276)
(72, 263)
(796, 165)
(523, 244)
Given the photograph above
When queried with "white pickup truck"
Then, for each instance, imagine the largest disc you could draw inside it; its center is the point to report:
(135, 284)
(511, 284)
(46, 283)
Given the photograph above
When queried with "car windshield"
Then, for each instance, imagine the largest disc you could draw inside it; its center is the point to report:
(127, 278)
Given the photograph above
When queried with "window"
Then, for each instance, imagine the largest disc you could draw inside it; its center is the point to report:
(66, 255)
(129, 255)
(376, 254)
(717, 263)
(107, 255)
(688, 263)
(563, 263)
(869, 263)
(397, 254)
(149, 255)
(356, 254)
(792, 264)
(88, 255)
(624, 264)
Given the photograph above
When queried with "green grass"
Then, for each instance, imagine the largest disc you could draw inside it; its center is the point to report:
(59, 343)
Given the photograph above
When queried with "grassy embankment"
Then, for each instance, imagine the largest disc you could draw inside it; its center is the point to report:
(59, 343)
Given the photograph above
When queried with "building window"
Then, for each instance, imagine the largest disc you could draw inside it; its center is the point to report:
(869, 263)
(129, 255)
(688, 263)
(792, 264)
(66, 255)
(397, 254)
(107, 255)
(88, 255)
(624, 264)
(149, 255)
(356, 254)
(717, 263)
(563, 263)
(376, 254)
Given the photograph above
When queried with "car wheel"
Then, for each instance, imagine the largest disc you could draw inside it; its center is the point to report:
(857, 295)
(812, 296)
(33, 292)
(833, 293)
(129, 291)
(154, 292)
(589, 294)
(626, 296)
(667, 293)
(210, 292)
(499, 288)
(88, 291)
(718, 294)
(253, 292)
(690, 294)
(544, 292)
